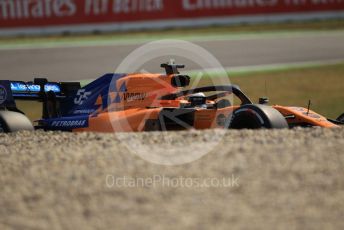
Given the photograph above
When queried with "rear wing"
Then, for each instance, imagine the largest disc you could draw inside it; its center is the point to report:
(31, 91)
(50, 93)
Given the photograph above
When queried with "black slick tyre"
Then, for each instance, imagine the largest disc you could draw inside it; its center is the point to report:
(256, 117)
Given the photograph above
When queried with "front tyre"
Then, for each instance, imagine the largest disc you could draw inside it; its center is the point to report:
(256, 117)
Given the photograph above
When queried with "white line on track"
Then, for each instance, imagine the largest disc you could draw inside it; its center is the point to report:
(137, 41)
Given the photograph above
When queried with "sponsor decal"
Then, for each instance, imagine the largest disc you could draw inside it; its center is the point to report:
(35, 9)
(312, 115)
(3, 94)
(84, 111)
(81, 96)
(216, 4)
(129, 97)
(221, 120)
(298, 109)
(31, 88)
(96, 7)
(45, 13)
(70, 123)
(134, 96)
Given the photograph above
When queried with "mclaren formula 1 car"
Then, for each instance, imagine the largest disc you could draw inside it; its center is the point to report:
(145, 102)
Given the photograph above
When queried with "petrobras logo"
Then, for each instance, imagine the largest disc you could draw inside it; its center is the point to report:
(3, 94)
(70, 123)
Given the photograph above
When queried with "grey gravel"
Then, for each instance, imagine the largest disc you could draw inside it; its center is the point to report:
(281, 179)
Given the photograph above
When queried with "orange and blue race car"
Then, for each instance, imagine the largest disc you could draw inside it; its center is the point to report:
(145, 102)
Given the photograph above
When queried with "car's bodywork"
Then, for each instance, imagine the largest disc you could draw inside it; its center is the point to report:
(146, 102)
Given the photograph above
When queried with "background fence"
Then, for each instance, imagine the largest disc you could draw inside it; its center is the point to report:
(34, 17)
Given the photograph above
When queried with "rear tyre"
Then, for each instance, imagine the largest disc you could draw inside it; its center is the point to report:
(341, 118)
(257, 117)
(13, 121)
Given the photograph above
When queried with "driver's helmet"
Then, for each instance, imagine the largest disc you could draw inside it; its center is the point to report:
(197, 99)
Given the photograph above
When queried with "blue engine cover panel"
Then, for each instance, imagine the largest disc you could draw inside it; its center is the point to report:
(84, 102)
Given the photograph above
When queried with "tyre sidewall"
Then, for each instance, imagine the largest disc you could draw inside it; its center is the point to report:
(261, 116)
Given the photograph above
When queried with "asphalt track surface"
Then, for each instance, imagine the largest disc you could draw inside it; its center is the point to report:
(87, 62)
(274, 179)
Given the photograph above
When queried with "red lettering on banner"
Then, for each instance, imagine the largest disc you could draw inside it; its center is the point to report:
(25, 9)
(218, 4)
(47, 13)
(136, 6)
(97, 7)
